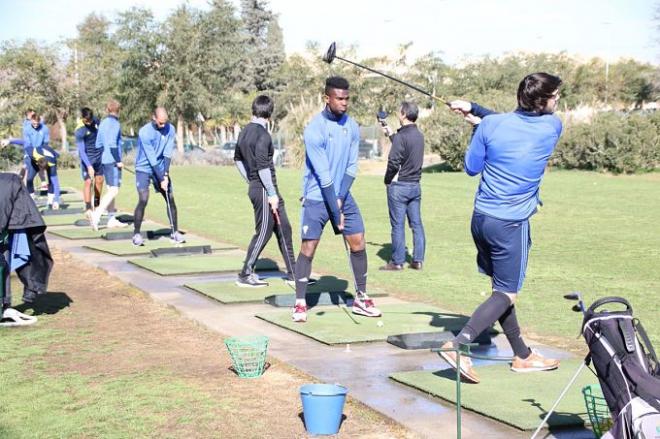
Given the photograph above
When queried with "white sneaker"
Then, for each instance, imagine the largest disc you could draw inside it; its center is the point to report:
(138, 240)
(299, 314)
(177, 238)
(94, 220)
(114, 223)
(56, 205)
(364, 306)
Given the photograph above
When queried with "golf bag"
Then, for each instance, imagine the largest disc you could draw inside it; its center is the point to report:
(627, 368)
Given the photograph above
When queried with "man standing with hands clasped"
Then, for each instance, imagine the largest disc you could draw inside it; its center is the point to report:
(404, 195)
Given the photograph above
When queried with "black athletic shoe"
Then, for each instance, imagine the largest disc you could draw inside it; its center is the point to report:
(416, 265)
(251, 281)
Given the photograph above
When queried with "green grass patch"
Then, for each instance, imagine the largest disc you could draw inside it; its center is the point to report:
(596, 234)
(215, 263)
(524, 403)
(334, 325)
(86, 232)
(62, 220)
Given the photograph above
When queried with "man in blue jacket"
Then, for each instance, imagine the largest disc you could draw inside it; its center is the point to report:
(26, 127)
(332, 140)
(40, 157)
(108, 141)
(90, 158)
(156, 142)
(510, 151)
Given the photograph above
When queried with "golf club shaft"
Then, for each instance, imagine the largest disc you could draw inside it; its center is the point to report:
(127, 169)
(276, 214)
(350, 265)
(561, 396)
(169, 210)
(414, 87)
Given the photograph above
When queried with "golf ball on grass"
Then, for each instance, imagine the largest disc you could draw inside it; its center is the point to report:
(379, 323)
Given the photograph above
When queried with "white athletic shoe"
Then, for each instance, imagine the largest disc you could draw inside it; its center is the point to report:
(364, 306)
(299, 314)
(138, 240)
(177, 238)
(94, 220)
(114, 223)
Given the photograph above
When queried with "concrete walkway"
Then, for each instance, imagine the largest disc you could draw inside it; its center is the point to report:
(363, 368)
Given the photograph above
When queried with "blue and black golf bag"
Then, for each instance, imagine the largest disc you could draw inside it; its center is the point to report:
(627, 368)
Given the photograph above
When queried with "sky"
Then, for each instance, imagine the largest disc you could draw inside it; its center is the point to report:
(457, 30)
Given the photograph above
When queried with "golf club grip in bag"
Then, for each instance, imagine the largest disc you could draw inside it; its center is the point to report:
(626, 367)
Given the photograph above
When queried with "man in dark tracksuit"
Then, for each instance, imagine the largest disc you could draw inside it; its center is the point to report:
(404, 196)
(254, 160)
(91, 168)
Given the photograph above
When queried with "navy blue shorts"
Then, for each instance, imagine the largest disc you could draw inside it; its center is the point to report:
(314, 217)
(112, 175)
(98, 169)
(142, 180)
(502, 250)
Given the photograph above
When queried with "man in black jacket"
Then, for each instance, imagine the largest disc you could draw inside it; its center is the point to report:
(23, 248)
(404, 195)
(254, 160)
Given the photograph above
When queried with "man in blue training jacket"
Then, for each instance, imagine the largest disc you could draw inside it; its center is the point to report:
(510, 151)
(156, 142)
(40, 157)
(108, 141)
(332, 140)
(91, 168)
(27, 125)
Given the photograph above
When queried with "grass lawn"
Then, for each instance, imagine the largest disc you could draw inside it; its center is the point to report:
(107, 362)
(597, 234)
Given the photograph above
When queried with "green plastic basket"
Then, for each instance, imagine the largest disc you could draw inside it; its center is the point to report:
(597, 409)
(248, 354)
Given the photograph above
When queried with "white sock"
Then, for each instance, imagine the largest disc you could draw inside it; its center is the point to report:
(301, 302)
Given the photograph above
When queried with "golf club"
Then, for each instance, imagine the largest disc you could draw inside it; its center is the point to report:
(276, 214)
(169, 211)
(576, 295)
(331, 54)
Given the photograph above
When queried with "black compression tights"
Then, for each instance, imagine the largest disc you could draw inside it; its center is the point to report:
(143, 199)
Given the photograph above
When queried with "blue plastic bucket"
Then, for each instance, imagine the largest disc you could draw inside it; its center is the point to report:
(323, 405)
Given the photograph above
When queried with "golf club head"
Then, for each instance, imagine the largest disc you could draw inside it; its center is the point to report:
(330, 54)
(381, 115)
(572, 296)
(576, 308)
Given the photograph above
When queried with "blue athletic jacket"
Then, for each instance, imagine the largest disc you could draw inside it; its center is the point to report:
(108, 139)
(155, 148)
(511, 151)
(35, 138)
(331, 156)
(86, 143)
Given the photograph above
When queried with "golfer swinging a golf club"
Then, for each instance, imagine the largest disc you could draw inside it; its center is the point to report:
(331, 152)
(510, 151)
(152, 164)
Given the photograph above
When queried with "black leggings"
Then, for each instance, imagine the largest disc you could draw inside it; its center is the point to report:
(143, 199)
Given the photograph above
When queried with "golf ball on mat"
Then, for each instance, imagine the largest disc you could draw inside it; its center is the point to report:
(379, 323)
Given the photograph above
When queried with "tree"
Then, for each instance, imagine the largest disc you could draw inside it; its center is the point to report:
(32, 76)
(141, 46)
(94, 63)
(264, 43)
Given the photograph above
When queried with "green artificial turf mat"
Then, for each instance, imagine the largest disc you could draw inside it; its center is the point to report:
(229, 292)
(86, 232)
(215, 263)
(518, 399)
(126, 248)
(334, 325)
(62, 220)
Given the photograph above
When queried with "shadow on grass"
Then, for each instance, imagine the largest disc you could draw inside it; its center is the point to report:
(50, 303)
(557, 419)
(301, 415)
(385, 251)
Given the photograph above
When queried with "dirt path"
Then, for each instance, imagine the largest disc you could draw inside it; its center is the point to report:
(110, 329)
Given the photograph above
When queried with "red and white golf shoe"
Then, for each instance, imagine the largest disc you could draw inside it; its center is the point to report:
(364, 306)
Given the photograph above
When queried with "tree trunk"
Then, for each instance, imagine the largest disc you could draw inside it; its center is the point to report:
(223, 134)
(62, 122)
(179, 133)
